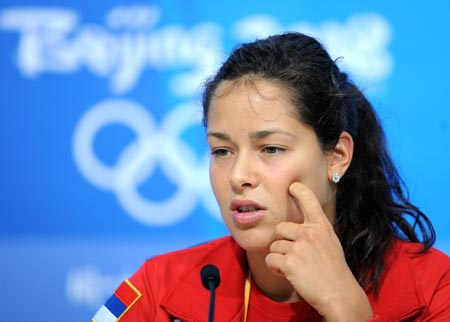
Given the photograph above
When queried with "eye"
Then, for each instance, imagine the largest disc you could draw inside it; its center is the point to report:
(272, 150)
(220, 152)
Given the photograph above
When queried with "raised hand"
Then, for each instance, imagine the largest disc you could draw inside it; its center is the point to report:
(311, 258)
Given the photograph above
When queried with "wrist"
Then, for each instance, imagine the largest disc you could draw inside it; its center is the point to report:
(350, 306)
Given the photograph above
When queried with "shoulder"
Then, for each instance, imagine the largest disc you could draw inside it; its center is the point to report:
(163, 273)
(406, 261)
(422, 263)
(429, 270)
(413, 283)
(141, 297)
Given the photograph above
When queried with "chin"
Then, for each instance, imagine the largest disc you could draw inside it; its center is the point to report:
(251, 241)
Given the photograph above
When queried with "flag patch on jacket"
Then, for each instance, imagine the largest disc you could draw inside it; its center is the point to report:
(116, 306)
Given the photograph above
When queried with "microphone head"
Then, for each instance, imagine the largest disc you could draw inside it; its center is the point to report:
(210, 273)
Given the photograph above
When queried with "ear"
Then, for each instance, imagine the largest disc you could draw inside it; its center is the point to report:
(340, 156)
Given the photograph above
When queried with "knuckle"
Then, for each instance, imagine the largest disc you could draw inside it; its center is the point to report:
(280, 227)
(273, 246)
(290, 262)
(270, 260)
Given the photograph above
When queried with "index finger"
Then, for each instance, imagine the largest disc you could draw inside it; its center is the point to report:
(308, 203)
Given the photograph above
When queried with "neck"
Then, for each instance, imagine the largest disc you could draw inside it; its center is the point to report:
(274, 286)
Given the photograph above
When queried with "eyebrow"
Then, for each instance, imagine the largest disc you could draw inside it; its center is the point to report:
(254, 135)
(265, 133)
(219, 135)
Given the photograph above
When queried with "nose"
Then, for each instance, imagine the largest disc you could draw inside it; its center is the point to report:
(243, 173)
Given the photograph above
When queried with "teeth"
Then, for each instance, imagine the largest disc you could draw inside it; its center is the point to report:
(247, 209)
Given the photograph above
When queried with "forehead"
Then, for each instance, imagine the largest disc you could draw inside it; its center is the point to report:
(266, 88)
(266, 98)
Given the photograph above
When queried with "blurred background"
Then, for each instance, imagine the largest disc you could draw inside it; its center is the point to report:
(103, 161)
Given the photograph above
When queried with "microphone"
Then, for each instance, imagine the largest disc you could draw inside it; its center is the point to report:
(210, 280)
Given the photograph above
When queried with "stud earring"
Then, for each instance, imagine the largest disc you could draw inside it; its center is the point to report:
(336, 177)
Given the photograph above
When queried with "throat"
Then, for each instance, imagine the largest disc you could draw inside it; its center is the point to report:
(281, 295)
(275, 287)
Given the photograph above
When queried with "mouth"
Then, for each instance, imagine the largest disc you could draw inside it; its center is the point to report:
(246, 212)
(247, 209)
(242, 206)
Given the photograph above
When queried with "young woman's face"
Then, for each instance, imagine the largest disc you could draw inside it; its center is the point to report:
(258, 149)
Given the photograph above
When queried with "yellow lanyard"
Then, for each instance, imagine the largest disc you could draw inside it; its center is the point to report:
(248, 284)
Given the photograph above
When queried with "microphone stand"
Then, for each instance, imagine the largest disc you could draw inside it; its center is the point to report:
(212, 301)
(210, 280)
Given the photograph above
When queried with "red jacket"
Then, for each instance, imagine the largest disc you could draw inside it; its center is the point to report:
(414, 287)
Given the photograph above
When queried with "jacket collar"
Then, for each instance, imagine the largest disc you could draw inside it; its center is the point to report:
(399, 297)
(189, 300)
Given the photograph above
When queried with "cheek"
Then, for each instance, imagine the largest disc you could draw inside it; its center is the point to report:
(218, 181)
(307, 170)
(213, 178)
(279, 181)
(284, 176)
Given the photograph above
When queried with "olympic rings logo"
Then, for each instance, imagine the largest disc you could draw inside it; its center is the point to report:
(154, 145)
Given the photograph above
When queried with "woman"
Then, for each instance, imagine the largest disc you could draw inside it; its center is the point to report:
(320, 226)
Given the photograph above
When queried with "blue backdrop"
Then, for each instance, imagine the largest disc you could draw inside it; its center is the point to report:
(103, 161)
